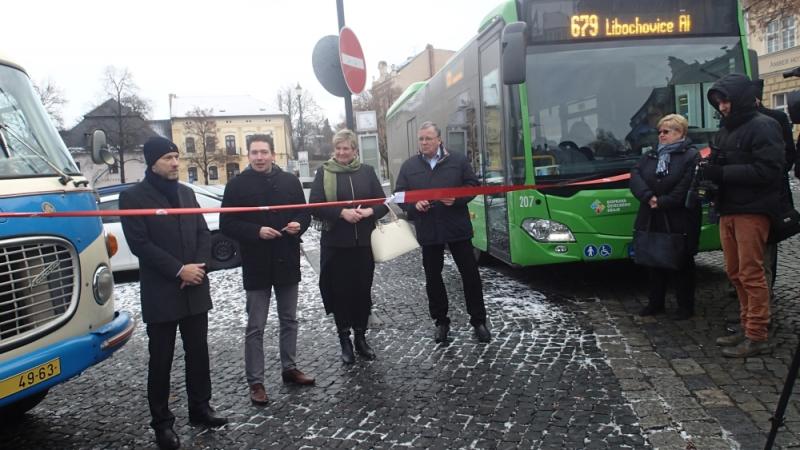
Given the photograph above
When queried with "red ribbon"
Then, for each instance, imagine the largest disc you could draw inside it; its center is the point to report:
(399, 197)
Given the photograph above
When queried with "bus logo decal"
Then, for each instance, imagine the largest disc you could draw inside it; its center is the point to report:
(598, 206)
(48, 207)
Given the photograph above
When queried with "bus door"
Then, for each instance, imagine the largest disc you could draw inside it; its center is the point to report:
(492, 148)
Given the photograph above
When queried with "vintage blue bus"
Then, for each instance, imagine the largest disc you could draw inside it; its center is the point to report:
(57, 314)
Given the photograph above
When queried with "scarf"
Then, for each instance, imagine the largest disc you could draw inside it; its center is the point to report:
(169, 188)
(664, 152)
(333, 167)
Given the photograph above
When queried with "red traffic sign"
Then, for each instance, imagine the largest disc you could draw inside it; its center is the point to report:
(351, 58)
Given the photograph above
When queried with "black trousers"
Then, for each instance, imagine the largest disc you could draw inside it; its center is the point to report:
(345, 283)
(194, 332)
(433, 263)
(683, 280)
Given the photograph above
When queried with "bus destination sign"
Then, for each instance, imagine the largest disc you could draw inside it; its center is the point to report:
(591, 26)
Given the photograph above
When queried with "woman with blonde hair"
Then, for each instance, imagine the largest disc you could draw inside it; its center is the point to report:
(346, 263)
(660, 181)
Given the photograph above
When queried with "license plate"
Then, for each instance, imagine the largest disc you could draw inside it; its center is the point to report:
(30, 378)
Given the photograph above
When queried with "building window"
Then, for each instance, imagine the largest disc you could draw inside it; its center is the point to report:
(232, 169)
(212, 173)
(781, 34)
(189, 145)
(192, 174)
(779, 102)
(211, 144)
(230, 144)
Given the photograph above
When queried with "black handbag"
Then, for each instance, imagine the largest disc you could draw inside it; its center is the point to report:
(784, 226)
(664, 250)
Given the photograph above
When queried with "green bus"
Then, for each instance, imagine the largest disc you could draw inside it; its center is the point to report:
(554, 91)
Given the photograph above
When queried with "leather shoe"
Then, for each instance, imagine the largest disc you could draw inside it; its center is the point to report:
(207, 418)
(683, 314)
(297, 377)
(651, 310)
(258, 395)
(440, 335)
(482, 333)
(747, 349)
(167, 439)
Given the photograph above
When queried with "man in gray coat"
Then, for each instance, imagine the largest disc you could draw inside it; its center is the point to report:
(173, 251)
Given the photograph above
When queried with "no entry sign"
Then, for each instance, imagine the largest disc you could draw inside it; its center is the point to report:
(351, 58)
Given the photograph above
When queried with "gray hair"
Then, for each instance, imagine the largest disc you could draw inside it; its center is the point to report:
(429, 124)
(345, 135)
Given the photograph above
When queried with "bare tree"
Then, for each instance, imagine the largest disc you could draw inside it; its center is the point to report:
(119, 85)
(53, 100)
(202, 128)
(761, 12)
(304, 113)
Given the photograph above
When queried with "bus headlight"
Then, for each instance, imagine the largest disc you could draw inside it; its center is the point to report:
(102, 284)
(544, 230)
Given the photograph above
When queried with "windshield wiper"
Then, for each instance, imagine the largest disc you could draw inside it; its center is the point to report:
(4, 144)
(63, 177)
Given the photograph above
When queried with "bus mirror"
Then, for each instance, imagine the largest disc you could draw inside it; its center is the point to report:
(753, 56)
(513, 50)
(100, 153)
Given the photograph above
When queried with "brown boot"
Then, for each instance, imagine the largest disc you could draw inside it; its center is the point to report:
(731, 340)
(747, 349)
(258, 395)
(297, 377)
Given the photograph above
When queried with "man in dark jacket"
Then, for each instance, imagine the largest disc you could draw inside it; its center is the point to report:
(444, 222)
(270, 246)
(747, 167)
(771, 251)
(173, 251)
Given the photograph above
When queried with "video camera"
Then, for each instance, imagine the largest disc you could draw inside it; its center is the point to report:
(702, 189)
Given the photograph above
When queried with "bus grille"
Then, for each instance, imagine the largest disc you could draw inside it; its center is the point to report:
(38, 290)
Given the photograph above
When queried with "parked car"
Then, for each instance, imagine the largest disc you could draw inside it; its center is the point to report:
(224, 250)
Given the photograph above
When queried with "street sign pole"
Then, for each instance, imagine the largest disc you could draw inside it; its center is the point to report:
(348, 100)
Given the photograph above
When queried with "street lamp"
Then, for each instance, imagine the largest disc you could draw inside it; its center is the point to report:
(299, 91)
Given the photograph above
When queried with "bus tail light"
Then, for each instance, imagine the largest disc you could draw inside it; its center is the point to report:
(111, 244)
(543, 230)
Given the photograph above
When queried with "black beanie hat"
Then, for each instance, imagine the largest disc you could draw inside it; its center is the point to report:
(156, 147)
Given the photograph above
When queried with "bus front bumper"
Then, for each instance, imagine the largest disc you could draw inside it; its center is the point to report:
(45, 367)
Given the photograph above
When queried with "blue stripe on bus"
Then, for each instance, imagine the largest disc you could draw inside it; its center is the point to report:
(80, 231)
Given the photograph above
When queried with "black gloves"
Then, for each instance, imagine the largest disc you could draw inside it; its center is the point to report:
(713, 173)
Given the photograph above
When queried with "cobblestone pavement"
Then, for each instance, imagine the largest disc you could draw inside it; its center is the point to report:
(570, 366)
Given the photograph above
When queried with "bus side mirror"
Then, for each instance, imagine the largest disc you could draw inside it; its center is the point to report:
(513, 52)
(100, 153)
(753, 56)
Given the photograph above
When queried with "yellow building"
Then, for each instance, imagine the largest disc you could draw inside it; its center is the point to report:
(212, 135)
(778, 46)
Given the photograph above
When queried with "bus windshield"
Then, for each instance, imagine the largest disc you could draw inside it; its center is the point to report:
(28, 140)
(593, 107)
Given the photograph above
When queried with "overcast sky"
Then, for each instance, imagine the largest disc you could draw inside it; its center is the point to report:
(222, 48)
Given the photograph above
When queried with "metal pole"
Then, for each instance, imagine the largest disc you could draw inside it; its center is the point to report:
(777, 419)
(348, 101)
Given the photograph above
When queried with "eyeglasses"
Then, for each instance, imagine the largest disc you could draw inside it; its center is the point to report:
(660, 132)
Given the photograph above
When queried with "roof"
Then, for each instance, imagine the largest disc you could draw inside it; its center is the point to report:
(222, 106)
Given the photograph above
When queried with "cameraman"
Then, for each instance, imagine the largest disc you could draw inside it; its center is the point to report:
(747, 166)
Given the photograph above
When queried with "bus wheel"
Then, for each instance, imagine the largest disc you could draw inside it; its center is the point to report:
(16, 410)
(224, 252)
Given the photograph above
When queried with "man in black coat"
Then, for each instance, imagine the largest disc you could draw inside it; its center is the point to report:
(748, 167)
(173, 251)
(444, 222)
(771, 251)
(270, 247)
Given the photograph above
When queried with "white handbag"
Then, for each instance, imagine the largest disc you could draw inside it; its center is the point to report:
(392, 239)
